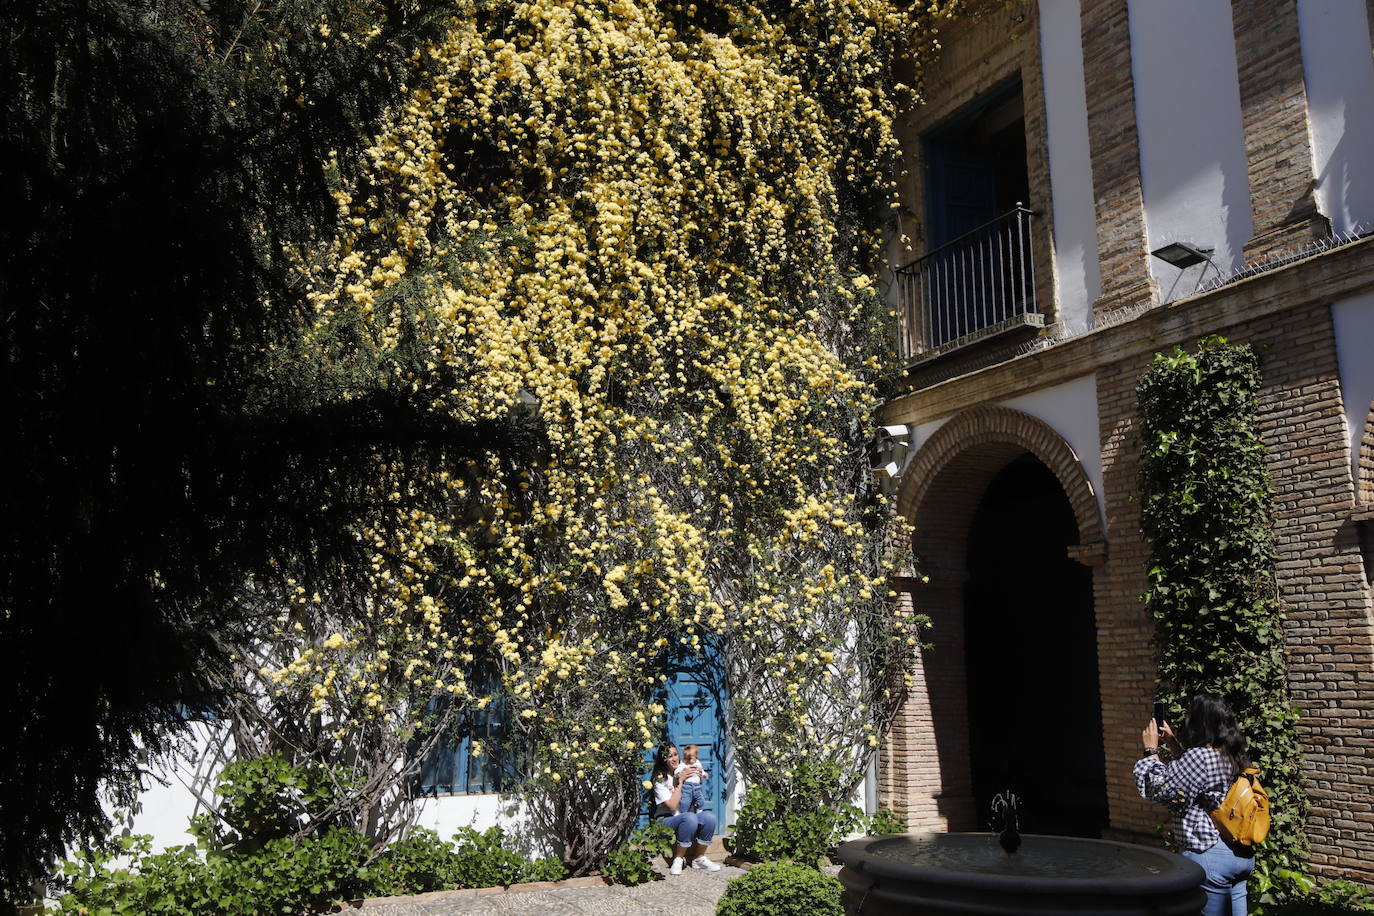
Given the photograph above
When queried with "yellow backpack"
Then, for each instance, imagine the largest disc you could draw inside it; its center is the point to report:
(1243, 816)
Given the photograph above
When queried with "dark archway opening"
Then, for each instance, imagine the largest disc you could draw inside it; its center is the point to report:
(1035, 717)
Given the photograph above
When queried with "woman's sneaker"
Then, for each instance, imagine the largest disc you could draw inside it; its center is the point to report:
(676, 868)
(705, 864)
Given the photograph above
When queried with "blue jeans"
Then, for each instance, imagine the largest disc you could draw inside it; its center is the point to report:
(692, 792)
(689, 827)
(1224, 883)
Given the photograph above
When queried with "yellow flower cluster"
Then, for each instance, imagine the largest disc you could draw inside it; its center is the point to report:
(653, 224)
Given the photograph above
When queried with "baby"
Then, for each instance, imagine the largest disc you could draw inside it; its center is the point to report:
(693, 795)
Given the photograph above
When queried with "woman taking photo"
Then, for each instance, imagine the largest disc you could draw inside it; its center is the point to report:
(1194, 784)
(693, 828)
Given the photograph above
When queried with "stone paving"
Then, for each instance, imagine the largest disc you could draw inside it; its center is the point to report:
(693, 893)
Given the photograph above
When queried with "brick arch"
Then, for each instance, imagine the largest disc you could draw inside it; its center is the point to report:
(1364, 484)
(925, 769)
(948, 475)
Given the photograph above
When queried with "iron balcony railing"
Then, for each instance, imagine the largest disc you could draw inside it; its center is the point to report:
(980, 280)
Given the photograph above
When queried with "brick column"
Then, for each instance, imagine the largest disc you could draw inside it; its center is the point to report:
(1273, 102)
(1125, 632)
(1122, 245)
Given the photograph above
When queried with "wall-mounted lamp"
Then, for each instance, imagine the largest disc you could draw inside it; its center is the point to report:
(892, 445)
(1182, 254)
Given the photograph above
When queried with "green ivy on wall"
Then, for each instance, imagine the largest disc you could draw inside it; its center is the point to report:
(1207, 512)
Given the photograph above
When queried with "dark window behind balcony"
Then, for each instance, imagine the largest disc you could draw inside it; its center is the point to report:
(976, 166)
(977, 275)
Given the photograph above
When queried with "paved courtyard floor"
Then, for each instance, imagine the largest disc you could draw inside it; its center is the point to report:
(693, 893)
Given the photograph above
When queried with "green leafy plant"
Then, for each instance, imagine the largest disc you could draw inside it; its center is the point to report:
(1335, 898)
(631, 863)
(1356, 897)
(801, 824)
(885, 821)
(251, 865)
(285, 876)
(781, 889)
(1331, 898)
(482, 860)
(420, 863)
(267, 798)
(1207, 513)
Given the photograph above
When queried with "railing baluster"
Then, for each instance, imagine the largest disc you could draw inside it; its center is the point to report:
(978, 280)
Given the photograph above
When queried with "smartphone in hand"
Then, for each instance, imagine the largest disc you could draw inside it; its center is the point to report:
(1159, 714)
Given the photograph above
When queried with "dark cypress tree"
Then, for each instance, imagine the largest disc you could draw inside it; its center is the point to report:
(160, 154)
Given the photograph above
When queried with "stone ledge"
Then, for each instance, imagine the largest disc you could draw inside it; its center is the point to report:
(1032, 321)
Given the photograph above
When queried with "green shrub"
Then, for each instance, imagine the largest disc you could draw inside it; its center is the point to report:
(482, 861)
(268, 798)
(1331, 898)
(801, 825)
(285, 877)
(781, 889)
(420, 863)
(631, 863)
(885, 821)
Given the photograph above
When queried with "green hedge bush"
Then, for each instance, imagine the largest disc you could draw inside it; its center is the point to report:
(781, 889)
(273, 850)
(1331, 898)
(801, 825)
(631, 863)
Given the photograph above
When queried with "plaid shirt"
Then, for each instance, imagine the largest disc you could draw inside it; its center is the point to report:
(1190, 786)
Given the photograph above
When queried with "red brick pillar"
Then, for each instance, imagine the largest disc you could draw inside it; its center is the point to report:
(1122, 245)
(923, 767)
(1125, 632)
(1273, 102)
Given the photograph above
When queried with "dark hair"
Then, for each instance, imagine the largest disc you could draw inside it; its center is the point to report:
(661, 769)
(1211, 724)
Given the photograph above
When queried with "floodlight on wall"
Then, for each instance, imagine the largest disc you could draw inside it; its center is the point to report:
(1183, 254)
(888, 471)
(891, 447)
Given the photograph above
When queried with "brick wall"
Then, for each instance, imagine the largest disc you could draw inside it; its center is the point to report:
(1120, 205)
(1365, 489)
(1321, 572)
(1273, 98)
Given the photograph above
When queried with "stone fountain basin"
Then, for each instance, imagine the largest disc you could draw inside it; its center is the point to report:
(965, 873)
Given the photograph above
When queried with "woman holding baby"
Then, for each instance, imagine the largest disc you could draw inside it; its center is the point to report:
(677, 785)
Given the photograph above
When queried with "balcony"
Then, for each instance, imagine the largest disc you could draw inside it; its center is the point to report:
(976, 286)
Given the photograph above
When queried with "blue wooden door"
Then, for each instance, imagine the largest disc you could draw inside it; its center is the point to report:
(696, 708)
(694, 717)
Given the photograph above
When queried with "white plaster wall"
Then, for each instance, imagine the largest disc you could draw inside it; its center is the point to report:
(1192, 143)
(446, 814)
(1070, 409)
(167, 802)
(1340, 97)
(1353, 322)
(921, 434)
(1071, 176)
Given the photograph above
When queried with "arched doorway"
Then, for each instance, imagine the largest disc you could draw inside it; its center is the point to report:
(1004, 516)
(1034, 711)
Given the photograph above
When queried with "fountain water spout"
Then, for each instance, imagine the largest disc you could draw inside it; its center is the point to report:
(1004, 809)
